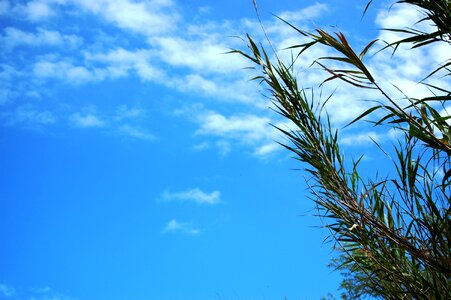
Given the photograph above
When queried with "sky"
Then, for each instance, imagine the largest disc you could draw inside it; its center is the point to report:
(137, 159)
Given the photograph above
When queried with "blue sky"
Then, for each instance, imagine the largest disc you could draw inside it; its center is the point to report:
(137, 160)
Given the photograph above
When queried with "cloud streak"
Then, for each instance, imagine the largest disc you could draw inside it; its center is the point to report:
(182, 55)
(195, 195)
(135, 132)
(252, 129)
(13, 37)
(87, 120)
(45, 293)
(28, 115)
(149, 18)
(174, 226)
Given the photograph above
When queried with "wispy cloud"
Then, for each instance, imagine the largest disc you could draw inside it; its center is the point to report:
(246, 127)
(135, 132)
(87, 120)
(408, 66)
(362, 139)
(13, 37)
(178, 227)
(6, 291)
(201, 52)
(66, 71)
(266, 149)
(311, 12)
(144, 17)
(194, 52)
(224, 147)
(28, 115)
(254, 130)
(119, 62)
(124, 112)
(176, 53)
(35, 11)
(125, 122)
(44, 293)
(195, 195)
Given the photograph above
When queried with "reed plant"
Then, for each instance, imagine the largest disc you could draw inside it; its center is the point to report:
(391, 235)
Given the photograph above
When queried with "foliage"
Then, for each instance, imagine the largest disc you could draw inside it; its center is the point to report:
(392, 235)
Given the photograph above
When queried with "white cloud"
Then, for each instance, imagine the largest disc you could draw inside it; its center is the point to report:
(124, 122)
(66, 71)
(87, 120)
(204, 54)
(361, 139)
(121, 56)
(266, 149)
(398, 16)
(187, 56)
(177, 227)
(198, 57)
(193, 195)
(394, 134)
(78, 74)
(117, 63)
(29, 115)
(135, 132)
(199, 50)
(247, 128)
(144, 17)
(250, 130)
(308, 13)
(36, 10)
(404, 70)
(218, 88)
(60, 70)
(13, 37)
(408, 66)
(197, 83)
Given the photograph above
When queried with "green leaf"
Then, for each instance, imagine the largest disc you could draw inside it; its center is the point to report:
(364, 114)
(368, 47)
